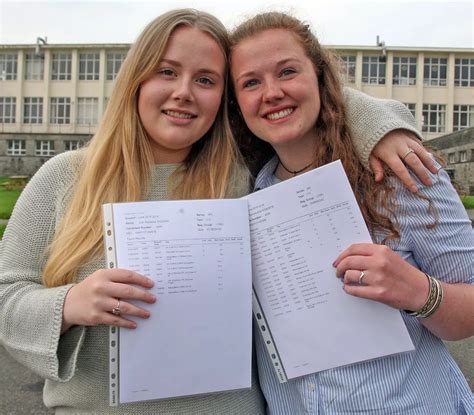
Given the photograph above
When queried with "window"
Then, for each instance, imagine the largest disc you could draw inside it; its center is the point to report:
(33, 110)
(114, 62)
(61, 67)
(34, 67)
(463, 156)
(348, 68)
(451, 158)
(44, 148)
(8, 66)
(60, 110)
(434, 118)
(89, 66)
(87, 110)
(435, 71)
(373, 70)
(7, 110)
(72, 145)
(404, 71)
(464, 72)
(463, 117)
(16, 147)
(412, 108)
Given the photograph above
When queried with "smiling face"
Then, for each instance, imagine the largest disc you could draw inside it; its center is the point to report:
(277, 89)
(178, 104)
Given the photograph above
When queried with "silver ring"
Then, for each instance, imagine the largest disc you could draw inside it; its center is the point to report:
(116, 310)
(407, 153)
(361, 277)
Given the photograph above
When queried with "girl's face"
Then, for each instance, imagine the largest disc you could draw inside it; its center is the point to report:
(180, 101)
(277, 89)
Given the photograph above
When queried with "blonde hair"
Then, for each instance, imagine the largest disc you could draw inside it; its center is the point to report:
(332, 130)
(117, 163)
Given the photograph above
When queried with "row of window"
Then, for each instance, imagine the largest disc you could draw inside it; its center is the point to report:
(462, 157)
(434, 115)
(42, 147)
(61, 66)
(435, 70)
(60, 110)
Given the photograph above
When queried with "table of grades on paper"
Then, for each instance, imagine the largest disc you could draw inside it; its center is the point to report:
(298, 228)
(198, 338)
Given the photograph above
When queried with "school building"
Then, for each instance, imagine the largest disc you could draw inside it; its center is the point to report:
(52, 96)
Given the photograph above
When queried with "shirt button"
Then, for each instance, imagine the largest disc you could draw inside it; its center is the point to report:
(312, 387)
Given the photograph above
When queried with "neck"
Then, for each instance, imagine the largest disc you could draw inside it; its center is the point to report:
(293, 163)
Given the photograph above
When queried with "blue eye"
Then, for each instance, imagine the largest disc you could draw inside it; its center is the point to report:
(166, 72)
(287, 71)
(205, 80)
(250, 83)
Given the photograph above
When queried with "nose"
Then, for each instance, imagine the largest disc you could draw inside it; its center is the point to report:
(183, 90)
(272, 90)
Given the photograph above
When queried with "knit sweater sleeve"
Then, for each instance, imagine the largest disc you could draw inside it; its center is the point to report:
(370, 119)
(31, 313)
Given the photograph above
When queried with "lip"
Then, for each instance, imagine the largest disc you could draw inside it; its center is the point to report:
(177, 120)
(278, 109)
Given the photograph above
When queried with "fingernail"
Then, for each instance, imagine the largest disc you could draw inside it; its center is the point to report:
(414, 188)
(151, 282)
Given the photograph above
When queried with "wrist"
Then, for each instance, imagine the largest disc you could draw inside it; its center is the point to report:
(432, 302)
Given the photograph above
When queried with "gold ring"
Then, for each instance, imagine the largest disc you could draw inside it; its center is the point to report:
(408, 153)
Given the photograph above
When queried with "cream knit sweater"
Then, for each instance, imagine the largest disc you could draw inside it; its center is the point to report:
(75, 365)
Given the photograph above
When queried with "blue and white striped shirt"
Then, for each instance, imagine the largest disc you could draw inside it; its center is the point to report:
(425, 381)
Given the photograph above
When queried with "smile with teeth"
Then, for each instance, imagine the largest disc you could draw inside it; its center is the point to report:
(181, 115)
(280, 114)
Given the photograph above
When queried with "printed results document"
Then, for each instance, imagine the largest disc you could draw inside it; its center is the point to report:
(298, 228)
(199, 336)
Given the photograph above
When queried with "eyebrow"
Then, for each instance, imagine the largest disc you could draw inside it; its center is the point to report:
(200, 70)
(253, 73)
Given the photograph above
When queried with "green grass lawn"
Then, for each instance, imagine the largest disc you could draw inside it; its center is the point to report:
(7, 200)
(468, 201)
(2, 229)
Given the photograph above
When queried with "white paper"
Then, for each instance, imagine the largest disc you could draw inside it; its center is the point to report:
(198, 338)
(298, 228)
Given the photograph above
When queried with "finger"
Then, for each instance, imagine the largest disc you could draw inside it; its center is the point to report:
(362, 291)
(130, 277)
(418, 168)
(366, 249)
(377, 168)
(118, 321)
(353, 276)
(425, 157)
(400, 169)
(352, 263)
(126, 309)
(130, 292)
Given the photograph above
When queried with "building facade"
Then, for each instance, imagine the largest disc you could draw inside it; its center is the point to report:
(53, 96)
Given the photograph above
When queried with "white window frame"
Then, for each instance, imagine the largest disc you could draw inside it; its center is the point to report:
(464, 72)
(16, 147)
(452, 158)
(61, 66)
(348, 68)
(7, 110)
(60, 110)
(87, 111)
(8, 66)
(114, 63)
(404, 70)
(89, 66)
(34, 67)
(32, 110)
(462, 156)
(432, 69)
(463, 117)
(436, 113)
(374, 62)
(70, 145)
(44, 148)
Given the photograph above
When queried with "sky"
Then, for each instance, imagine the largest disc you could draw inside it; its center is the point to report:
(425, 23)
